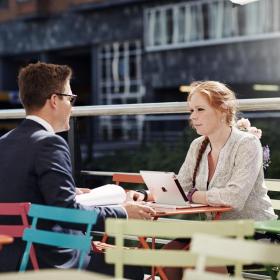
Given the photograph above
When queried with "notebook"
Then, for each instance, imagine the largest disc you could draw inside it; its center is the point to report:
(166, 190)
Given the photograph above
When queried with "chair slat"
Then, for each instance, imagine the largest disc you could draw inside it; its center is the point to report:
(241, 250)
(179, 229)
(273, 184)
(14, 209)
(173, 258)
(59, 214)
(275, 204)
(203, 275)
(12, 230)
(62, 240)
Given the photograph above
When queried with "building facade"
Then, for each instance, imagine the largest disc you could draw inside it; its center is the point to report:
(125, 51)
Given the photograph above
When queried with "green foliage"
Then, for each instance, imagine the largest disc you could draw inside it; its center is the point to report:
(155, 156)
(270, 137)
(169, 157)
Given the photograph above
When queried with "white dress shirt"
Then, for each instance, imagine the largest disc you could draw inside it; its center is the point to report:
(41, 121)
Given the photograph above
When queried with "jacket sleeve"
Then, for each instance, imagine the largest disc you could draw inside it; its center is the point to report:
(56, 184)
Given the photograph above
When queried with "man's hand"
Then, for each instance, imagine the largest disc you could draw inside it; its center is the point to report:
(82, 190)
(136, 211)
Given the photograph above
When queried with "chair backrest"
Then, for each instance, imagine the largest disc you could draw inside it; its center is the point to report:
(273, 186)
(241, 251)
(133, 178)
(14, 209)
(19, 209)
(63, 240)
(165, 229)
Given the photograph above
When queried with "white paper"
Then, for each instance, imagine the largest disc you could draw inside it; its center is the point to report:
(109, 194)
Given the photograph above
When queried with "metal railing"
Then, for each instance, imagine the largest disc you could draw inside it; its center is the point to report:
(244, 105)
(259, 104)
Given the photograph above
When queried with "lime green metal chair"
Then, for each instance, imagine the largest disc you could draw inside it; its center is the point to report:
(234, 250)
(63, 240)
(170, 229)
(271, 226)
(273, 186)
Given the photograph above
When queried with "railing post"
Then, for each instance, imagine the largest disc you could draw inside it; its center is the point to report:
(75, 151)
(94, 99)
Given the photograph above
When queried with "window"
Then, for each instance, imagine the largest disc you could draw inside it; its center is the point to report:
(4, 4)
(121, 83)
(203, 22)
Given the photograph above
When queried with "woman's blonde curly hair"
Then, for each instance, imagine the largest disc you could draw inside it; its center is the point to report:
(218, 95)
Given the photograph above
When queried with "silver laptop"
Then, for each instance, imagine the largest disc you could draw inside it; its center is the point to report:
(165, 188)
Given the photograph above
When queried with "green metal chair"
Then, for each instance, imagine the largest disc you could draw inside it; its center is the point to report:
(169, 229)
(63, 240)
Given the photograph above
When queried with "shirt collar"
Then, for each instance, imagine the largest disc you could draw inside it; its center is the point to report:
(41, 121)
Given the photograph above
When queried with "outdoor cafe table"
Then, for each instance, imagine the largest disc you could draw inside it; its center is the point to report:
(5, 239)
(216, 210)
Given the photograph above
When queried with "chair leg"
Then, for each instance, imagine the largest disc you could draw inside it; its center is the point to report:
(25, 258)
(81, 261)
(33, 258)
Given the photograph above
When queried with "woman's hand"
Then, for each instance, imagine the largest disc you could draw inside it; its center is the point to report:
(134, 196)
(138, 196)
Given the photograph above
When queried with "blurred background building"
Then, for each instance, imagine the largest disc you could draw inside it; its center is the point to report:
(134, 51)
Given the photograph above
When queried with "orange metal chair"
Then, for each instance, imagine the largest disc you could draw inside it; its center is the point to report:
(118, 178)
(133, 178)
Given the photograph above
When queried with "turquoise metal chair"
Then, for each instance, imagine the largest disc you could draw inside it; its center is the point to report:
(63, 240)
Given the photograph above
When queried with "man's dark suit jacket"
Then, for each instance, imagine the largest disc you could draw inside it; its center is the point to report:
(35, 167)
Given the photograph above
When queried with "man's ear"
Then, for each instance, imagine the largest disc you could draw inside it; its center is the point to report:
(53, 100)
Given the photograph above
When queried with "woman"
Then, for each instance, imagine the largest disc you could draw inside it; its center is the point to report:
(224, 165)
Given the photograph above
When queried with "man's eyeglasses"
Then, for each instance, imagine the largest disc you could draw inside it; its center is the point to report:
(72, 97)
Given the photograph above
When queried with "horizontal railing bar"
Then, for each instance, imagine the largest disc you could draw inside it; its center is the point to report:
(259, 104)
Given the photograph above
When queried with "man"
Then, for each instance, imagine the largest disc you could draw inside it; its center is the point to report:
(35, 163)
